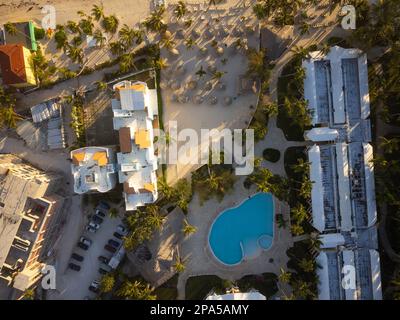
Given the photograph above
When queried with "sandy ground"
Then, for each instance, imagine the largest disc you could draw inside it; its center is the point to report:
(224, 27)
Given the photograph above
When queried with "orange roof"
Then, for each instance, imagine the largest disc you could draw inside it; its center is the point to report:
(78, 157)
(149, 187)
(12, 63)
(101, 158)
(142, 138)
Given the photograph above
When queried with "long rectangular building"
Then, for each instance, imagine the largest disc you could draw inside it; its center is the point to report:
(343, 191)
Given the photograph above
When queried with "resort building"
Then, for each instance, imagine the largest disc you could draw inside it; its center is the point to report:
(343, 192)
(15, 66)
(28, 214)
(24, 35)
(135, 114)
(93, 169)
(252, 295)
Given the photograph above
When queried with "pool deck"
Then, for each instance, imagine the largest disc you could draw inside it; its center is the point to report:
(196, 252)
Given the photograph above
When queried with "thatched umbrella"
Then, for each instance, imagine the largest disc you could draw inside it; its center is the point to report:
(220, 51)
(227, 101)
(174, 52)
(203, 51)
(213, 100)
(166, 34)
(192, 84)
(208, 86)
(211, 68)
(195, 33)
(197, 99)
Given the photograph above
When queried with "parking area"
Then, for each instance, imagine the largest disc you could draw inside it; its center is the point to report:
(74, 285)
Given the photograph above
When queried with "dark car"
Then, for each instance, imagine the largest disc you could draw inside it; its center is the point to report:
(95, 286)
(100, 213)
(114, 243)
(103, 259)
(74, 266)
(82, 246)
(77, 257)
(104, 205)
(110, 248)
(118, 235)
(97, 219)
(102, 271)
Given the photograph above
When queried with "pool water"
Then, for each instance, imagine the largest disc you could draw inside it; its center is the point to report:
(244, 231)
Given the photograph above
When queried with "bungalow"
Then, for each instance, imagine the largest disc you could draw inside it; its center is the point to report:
(15, 66)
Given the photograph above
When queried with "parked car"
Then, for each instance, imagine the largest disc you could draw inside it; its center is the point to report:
(110, 248)
(95, 286)
(74, 266)
(102, 271)
(77, 257)
(92, 227)
(82, 246)
(118, 235)
(104, 205)
(100, 213)
(122, 230)
(86, 241)
(114, 243)
(97, 219)
(103, 259)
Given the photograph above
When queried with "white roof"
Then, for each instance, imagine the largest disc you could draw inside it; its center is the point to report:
(344, 186)
(321, 134)
(331, 240)
(88, 175)
(314, 157)
(253, 295)
(370, 184)
(310, 93)
(364, 90)
(323, 276)
(376, 274)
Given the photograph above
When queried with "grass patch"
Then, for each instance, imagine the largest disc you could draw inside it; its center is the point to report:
(266, 284)
(197, 288)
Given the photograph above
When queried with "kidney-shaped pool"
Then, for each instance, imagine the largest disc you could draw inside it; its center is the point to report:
(244, 231)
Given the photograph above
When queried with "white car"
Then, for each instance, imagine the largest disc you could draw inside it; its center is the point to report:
(92, 227)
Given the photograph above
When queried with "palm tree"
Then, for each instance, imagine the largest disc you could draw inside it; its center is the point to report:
(299, 213)
(136, 290)
(300, 52)
(29, 294)
(307, 265)
(127, 35)
(117, 48)
(304, 28)
(161, 63)
(301, 166)
(107, 283)
(86, 26)
(113, 213)
(390, 145)
(72, 26)
(270, 109)
(10, 28)
(99, 38)
(255, 62)
(127, 62)
(189, 43)
(200, 73)
(155, 22)
(259, 11)
(188, 229)
(168, 43)
(153, 216)
(217, 75)
(180, 10)
(97, 12)
(179, 265)
(139, 35)
(296, 229)
(110, 24)
(8, 117)
(61, 37)
(284, 276)
(76, 54)
(101, 85)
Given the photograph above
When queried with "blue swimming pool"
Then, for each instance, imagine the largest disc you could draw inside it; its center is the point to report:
(244, 231)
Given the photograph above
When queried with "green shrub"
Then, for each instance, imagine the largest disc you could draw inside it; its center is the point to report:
(39, 33)
(271, 155)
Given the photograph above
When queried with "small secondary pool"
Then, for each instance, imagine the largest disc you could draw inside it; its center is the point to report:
(244, 231)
